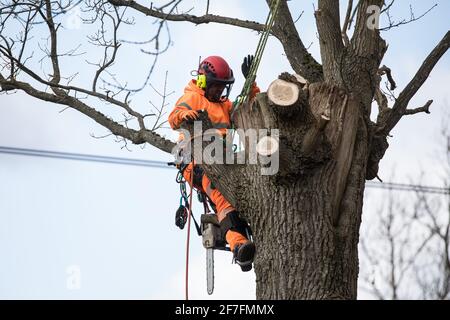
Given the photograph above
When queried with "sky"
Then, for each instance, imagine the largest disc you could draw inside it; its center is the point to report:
(84, 230)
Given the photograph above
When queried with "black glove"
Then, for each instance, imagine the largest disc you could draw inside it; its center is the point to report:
(245, 67)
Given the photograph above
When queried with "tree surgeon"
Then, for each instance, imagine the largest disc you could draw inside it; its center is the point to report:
(209, 93)
(306, 218)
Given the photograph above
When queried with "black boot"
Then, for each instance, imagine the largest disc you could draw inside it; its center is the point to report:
(243, 255)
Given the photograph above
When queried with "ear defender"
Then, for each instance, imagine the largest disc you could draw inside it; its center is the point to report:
(201, 81)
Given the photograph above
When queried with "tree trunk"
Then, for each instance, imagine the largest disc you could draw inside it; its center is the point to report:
(302, 252)
(306, 218)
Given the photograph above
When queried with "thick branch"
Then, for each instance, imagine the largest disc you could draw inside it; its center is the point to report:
(328, 26)
(137, 137)
(106, 97)
(366, 39)
(4, 86)
(300, 59)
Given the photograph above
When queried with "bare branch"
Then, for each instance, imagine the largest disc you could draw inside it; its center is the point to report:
(299, 16)
(388, 6)
(399, 108)
(393, 24)
(27, 27)
(300, 59)
(160, 112)
(330, 38)
(161, 8)
(208, 18)
(372, 285)
(137, 137)
(8, 53)
(53, 48)
(284, 30)
(425, 108)
(115, 46)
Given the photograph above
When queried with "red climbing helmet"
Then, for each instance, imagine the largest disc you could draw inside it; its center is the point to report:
(215, 70)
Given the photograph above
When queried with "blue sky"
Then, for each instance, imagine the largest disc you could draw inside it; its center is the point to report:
(116, 223)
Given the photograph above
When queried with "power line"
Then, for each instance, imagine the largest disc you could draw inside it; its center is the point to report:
(84, 157)
(407, 187)
(163, 165)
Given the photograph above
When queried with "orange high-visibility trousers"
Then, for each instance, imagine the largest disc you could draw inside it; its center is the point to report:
(223, 207)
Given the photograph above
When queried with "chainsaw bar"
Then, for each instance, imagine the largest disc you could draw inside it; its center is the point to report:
(210, 270)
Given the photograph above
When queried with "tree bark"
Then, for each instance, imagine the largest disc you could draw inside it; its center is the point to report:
(307, 216)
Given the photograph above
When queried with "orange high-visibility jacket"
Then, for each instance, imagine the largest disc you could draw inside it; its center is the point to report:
(194, 99)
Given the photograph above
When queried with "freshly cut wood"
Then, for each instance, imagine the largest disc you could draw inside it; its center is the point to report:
(267, 146)
(283, 93)
(300, 79)
(277, 155)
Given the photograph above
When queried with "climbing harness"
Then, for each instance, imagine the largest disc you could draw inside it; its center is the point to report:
(183, 211)
(212, 232)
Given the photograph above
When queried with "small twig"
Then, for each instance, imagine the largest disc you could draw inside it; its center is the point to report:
(300, 15)
(412, 18)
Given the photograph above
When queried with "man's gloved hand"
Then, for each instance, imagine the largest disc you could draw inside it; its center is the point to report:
(245, 67)
(189, 115)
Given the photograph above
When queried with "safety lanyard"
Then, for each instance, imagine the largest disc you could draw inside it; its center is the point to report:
(245, 93)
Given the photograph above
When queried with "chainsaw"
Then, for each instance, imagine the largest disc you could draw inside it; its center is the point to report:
(212, 238)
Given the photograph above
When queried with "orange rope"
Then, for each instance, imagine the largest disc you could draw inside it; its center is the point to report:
(189, 233)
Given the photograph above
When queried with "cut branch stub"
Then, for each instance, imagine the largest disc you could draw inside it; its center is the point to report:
(285, 97)
(267, 146)
(283, 93)
(275, 155)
